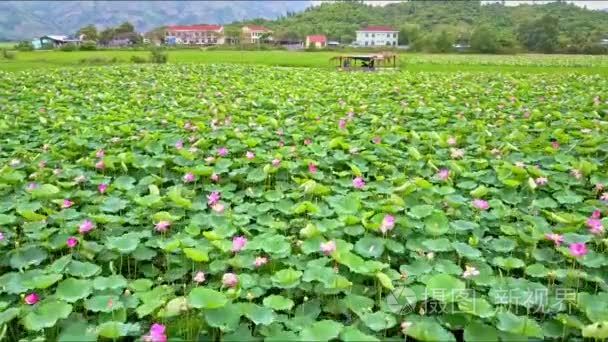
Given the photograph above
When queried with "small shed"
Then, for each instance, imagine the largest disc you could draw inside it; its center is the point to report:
(318, 41)
(56, 41)
(369, 62)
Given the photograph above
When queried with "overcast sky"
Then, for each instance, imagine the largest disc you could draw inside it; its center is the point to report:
(598, 4)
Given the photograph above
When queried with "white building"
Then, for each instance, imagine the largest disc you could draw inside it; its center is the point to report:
(251, 34)
(195, 34)
(377, 36)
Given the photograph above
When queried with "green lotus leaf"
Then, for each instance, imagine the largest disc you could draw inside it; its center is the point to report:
(278, 303)
(206, 298)
(321, 331)
(46, 315)
(72, 289)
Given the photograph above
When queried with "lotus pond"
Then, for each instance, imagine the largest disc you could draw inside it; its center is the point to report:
(256, 203)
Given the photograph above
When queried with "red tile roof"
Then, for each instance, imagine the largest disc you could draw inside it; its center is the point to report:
(378, 28)
(194, 28)
(318, 38)
(257, 28)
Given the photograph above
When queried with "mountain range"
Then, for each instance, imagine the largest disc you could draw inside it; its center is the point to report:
(27, 19)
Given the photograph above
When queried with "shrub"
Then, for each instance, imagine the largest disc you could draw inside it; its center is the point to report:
(8, 54)
(24, 46)
(139, 59)
(158, 56)
(88, 46)
(69, 47)
(98, 60)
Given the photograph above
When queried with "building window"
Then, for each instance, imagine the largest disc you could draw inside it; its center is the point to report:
(366, 43)
(394, 35)
(366, 35)
(373, 35)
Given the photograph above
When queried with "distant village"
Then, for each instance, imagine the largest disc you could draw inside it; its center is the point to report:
(211, 35)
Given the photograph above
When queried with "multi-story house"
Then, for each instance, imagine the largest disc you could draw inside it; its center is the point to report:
(253, 34)
(195, 34)
(377, 36)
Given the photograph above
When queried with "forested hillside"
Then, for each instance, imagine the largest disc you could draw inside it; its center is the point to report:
(435, 25)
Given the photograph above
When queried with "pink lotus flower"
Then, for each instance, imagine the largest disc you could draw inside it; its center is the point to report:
(156, 334)
(260, 261)
(598, 187)
(179, 144)
(556, 238)
(86, 226)
(388, 223)
(230, 279)
(276, 162)
(189, 177)
(457, 153)
(358, 183)
(541, 180)
(191, 139)
(218, 208)
(350, 115)
(213, 198)
(443, 174)
(307, 142)
(238, 243)
(328, 247)
(100, 153)
(102, 188)
(405, 326)
(1, 236)
(481, 204)
(250, 155)
(80, 179)
(578, 249)
(604, 196)
(72, 242)
(67, 203)
(555, 145)
(42, 164)
(162, 226)
(31, 299)
(470, 271)
(451, 141)
(31, 186)
(100, 165)
(342, 124)
(377, 140)
(222, 151)
(312, 168)
(199, 277)
(215, 177)
(576, 173)
(595, 224)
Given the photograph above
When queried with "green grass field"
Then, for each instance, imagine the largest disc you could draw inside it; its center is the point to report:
(32, 60)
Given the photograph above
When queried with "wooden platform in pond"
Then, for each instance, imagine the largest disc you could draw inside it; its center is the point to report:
(366, 62)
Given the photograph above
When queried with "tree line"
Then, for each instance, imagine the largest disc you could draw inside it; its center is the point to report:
(433, 26)
(437, 25)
